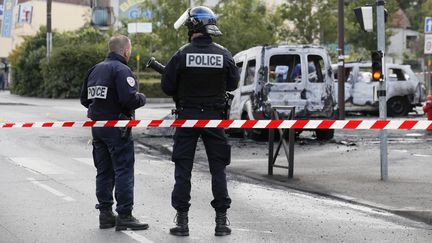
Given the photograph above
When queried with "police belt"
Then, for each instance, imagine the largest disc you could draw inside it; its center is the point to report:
(208, 107)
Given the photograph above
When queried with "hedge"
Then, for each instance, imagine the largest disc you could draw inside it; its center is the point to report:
(64, 72)
(152, 90)
(62, 75)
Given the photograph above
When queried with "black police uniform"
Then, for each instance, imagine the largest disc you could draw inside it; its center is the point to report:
(198, 76)
(110, 92)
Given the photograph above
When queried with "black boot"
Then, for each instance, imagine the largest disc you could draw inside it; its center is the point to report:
(127, 221)
(182, 228)
(221, 224)
(107, 219)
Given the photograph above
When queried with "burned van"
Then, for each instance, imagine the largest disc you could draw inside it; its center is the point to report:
(298, 76)
(404, 90)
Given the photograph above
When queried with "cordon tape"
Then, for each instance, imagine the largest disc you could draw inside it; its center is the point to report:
(264, 124)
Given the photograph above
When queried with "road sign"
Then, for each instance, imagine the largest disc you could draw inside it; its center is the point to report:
(428, 44)
(139, 28)
(7, 18)
(428, 25)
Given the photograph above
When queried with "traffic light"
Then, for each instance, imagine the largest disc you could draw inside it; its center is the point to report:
(364, 17)
(377, 72)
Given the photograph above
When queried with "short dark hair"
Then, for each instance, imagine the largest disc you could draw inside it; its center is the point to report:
(118, 43)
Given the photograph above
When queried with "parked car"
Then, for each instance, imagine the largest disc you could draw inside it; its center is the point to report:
(404, 89)
(272, 76)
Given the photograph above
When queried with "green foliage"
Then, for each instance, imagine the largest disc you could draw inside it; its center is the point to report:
(165, 40)
(353, 33)
(245, 23)
(64, 72)
(62, 75)
(426, 11)
(309, 20)
(26, 60)
(415, 11)
(152, 90)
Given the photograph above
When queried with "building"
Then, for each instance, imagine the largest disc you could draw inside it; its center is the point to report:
(24, 18)
(402, 40)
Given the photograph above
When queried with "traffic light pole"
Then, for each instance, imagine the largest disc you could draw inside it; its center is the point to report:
(382, 89)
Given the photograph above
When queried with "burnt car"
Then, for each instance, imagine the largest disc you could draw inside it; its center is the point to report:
(404, 90)
(288, 75)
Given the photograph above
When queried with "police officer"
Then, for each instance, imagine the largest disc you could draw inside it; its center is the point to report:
(110, 92)
(198, 76)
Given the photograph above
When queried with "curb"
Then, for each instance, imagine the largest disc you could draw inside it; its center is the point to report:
(159, 100)
(417, 215)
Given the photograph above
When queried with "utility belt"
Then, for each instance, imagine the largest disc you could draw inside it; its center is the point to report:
(219, 106)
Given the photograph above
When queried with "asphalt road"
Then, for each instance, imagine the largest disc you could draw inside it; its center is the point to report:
(47, 193)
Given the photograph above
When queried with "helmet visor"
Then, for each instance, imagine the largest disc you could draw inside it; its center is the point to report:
(182, 20)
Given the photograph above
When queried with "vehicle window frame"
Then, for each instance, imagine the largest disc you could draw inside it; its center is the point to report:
(402, 72)
(290, 67)
(240, 68)
(246, 72)
(318, 69)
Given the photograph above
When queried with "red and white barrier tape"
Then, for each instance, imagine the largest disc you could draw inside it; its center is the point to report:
(297, 124)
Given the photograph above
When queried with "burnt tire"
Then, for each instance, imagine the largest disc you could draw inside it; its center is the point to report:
(398, 106)
(324, 134)
(250, 133)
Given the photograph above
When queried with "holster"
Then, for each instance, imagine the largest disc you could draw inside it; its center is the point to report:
(125, 131)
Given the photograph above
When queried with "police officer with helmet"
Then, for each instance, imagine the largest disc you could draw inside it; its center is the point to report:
(110, 92)
(198, 76)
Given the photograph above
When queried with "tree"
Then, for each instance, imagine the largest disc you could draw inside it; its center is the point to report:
(363, 42)
(164, 14)
(245, 23)
(309, 21)
(426, 11)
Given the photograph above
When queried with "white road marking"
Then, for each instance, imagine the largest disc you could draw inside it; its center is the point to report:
(86, 161)
(40, 165)
(51, 190)
(69, 199)
(31, 171)
(422, 155)
(89, 162)
(137, 237)
(414, 135)
(251, 230)
(401, 150)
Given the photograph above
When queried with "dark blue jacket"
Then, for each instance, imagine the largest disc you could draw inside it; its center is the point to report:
(170, 78)
(110, 90)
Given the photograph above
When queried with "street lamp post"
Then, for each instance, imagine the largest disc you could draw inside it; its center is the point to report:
(48, 26)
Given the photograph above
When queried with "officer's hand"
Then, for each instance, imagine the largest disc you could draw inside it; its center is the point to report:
(143, 98)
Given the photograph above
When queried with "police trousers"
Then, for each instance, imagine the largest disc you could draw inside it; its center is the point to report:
(218, 153)
(114, 158)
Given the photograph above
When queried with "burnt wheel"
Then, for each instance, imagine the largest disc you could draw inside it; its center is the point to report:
(324, 134)
(397, 106)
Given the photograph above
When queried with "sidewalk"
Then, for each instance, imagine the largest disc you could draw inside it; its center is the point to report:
(345, 172)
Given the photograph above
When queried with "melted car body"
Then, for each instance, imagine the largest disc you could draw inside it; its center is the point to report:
(404, 90)
(284, 75)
